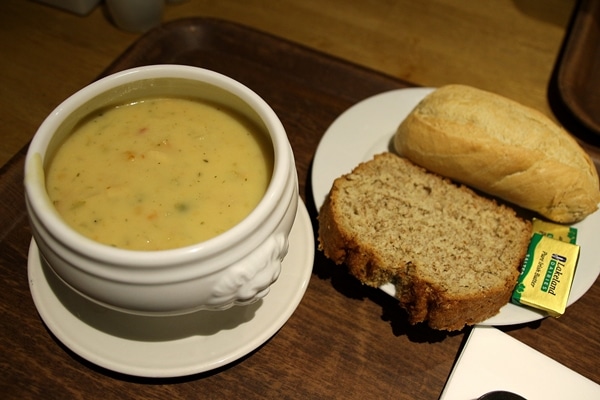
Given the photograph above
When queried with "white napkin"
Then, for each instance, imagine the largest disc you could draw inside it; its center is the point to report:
(493, 360)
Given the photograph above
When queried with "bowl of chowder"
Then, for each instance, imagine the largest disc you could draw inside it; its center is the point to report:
(163, 190)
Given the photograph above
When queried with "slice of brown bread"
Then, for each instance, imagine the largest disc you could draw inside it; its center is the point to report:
(453, 255)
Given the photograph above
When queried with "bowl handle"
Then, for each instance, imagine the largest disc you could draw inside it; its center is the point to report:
(249, 279)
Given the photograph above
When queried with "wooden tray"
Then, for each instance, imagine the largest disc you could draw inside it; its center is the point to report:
(578, 75)
(344, 340)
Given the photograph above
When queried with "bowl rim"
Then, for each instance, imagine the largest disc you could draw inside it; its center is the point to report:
(38, 199)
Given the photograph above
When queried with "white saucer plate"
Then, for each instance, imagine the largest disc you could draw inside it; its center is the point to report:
(163, 347)
(367, 128)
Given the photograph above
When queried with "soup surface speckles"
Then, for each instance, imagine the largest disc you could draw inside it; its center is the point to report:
(160, 173)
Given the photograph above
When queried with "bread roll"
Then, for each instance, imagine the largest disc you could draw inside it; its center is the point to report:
(502, 148)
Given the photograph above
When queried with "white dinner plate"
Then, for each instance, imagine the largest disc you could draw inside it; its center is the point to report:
(179, 345)
(367, 128)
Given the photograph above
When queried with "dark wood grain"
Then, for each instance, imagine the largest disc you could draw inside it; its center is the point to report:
(579, 69)
(574, 87)
(344, 340)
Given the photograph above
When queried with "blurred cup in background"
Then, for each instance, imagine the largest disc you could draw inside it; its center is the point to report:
(136, 15)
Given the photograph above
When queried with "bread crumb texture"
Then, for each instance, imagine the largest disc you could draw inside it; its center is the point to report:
(453, 255)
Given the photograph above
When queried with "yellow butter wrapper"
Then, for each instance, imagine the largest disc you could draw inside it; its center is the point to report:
(555, 231)
(547, 274)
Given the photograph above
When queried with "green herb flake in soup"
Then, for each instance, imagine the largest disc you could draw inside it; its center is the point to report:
(160, 173)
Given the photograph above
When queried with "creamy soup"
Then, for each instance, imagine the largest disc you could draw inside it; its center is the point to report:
(159, 173)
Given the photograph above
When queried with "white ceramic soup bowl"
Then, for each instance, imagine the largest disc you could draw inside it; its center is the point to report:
(235, 267)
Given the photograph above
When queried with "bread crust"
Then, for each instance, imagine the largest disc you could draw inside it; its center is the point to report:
(502, 148)
(425, 302)
(422, 293)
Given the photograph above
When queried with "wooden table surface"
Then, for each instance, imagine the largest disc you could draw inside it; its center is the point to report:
(508, 46)
(344, 340)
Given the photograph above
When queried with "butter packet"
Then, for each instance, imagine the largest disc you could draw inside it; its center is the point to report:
(547, 274)
(559, 232)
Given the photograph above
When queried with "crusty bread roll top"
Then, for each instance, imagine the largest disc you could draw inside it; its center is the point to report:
(502, 148)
